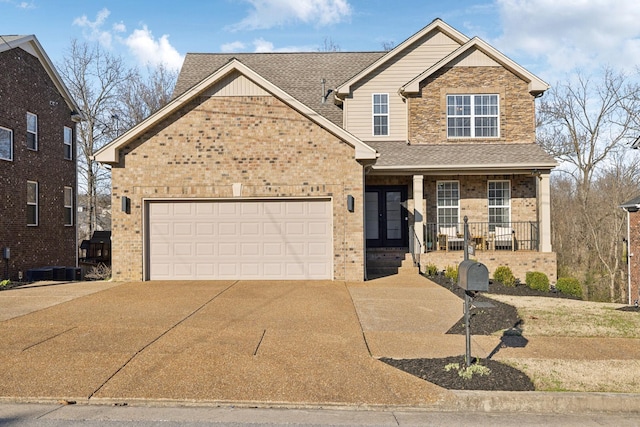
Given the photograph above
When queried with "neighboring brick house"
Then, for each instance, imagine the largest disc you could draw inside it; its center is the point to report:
(633, 249)
(37, 160)
(326, 165)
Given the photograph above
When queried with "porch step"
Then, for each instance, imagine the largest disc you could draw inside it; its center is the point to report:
(389, 261)
(408, 267)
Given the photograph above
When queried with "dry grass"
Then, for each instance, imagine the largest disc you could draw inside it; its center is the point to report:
(572, 318)
(617, 376)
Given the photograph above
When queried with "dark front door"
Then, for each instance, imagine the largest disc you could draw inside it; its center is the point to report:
(386, 219)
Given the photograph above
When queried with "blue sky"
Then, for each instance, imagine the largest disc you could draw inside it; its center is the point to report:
(548, 37)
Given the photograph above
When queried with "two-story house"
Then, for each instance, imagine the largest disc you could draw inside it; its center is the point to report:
(37, 161)
(324, 165)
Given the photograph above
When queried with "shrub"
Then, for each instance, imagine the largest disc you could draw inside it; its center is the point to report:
(99, 272)
(5, 283)
(504, 275)
(431, 270)
(569, 286)
(537, 280)
(451, 272)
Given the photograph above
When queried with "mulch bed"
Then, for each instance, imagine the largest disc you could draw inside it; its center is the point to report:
(484, 321)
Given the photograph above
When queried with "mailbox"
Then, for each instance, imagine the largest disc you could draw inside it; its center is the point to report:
(473, 276)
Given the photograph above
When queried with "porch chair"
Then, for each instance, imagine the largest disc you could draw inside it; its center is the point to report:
(449, 236)
(504, 238)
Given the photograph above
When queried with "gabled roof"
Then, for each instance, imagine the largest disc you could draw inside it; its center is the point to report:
(109, 153)
(31, 45)
(536, 85)
(436, 24)
(487, 157)
(298, 74)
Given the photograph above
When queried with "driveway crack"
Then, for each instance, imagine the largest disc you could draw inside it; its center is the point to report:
(160, 336)
(49, 338)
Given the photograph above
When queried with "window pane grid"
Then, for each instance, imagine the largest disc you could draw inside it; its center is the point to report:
(32, 203)
(6, 144)
(448, 196)
(472, 116)
(499, 198)
(68, 206)
(32, 131)
(380, 114)
(68, 143)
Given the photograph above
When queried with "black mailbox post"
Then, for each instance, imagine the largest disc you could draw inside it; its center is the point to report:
(473, 277)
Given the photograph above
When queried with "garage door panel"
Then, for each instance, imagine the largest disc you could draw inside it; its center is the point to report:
(288, 239)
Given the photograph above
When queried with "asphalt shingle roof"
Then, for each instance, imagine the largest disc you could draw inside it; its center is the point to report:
(298, 74)
(460, 156)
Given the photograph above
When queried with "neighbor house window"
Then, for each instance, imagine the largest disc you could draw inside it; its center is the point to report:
(68, 143)
(499, 204)
(32, 203)
(32, 131)
(381, 114)
(68, 206)
(448, 194)
(472, 116)
(6, 144)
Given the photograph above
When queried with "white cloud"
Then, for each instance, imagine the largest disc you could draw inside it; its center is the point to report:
(150, 51)
(93, 29)
(572, 34)
(232, 47)
(262, 46)
(119, 27)
(271, 13)
(26, 5)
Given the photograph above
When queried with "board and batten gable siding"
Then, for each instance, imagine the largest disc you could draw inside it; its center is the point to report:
(388, 79)
(213, 143)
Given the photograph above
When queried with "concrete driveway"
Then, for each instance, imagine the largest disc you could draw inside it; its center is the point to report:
(235, 341)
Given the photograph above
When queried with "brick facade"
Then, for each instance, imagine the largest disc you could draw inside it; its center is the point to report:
(428, 112)
(213, 142)
(25, 87)
(634, 258)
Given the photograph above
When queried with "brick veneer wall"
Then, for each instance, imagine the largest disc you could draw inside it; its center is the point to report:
(258, 141)
(634, 260)
(428, 112)
(25, 86)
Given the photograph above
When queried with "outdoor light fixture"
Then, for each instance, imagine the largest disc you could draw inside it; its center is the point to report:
(126, 204)
(350, 203)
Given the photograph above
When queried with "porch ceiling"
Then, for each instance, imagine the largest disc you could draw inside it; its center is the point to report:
(399, 157)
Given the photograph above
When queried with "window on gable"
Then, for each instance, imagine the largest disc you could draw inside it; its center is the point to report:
(68, 143)
(381, 114)
(499, 204)
(448, 195)
(32, 131)
(32, 203)
(68, 206)
(472, 116)
(6, 144)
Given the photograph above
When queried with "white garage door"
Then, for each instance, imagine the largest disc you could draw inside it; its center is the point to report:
(286, 239)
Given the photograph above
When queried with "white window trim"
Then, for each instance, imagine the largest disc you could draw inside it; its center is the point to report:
(36, 204)
(67, 143)
(35, 133)
(498, 206)
(438, 203)
(10, 144)
(472, 116)
(70, 207)
(374, 115)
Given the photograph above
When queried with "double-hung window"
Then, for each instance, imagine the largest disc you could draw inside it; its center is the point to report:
(380, 114)
(448, 195)
(472, 116)
(499, 204)
(6, 144)
(32, 203)
(32, 131)
(68, 206)
(68, 143)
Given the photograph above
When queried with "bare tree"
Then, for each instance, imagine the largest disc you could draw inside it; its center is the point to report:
(329, 45)
(144, 95)
(585, 125)
(388, 45)
(94, 77)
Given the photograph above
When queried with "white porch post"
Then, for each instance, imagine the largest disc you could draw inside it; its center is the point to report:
(418, 210)
(544, 212)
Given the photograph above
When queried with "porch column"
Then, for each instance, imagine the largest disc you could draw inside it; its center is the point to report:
(544, 212)
(418, 211)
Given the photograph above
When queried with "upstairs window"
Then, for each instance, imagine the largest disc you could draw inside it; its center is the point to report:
(32, 203)
(68, 143)
(6, 144)
(499, 204)
(68, 206)
(472, 116)
(380, 114)
(32, 131)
